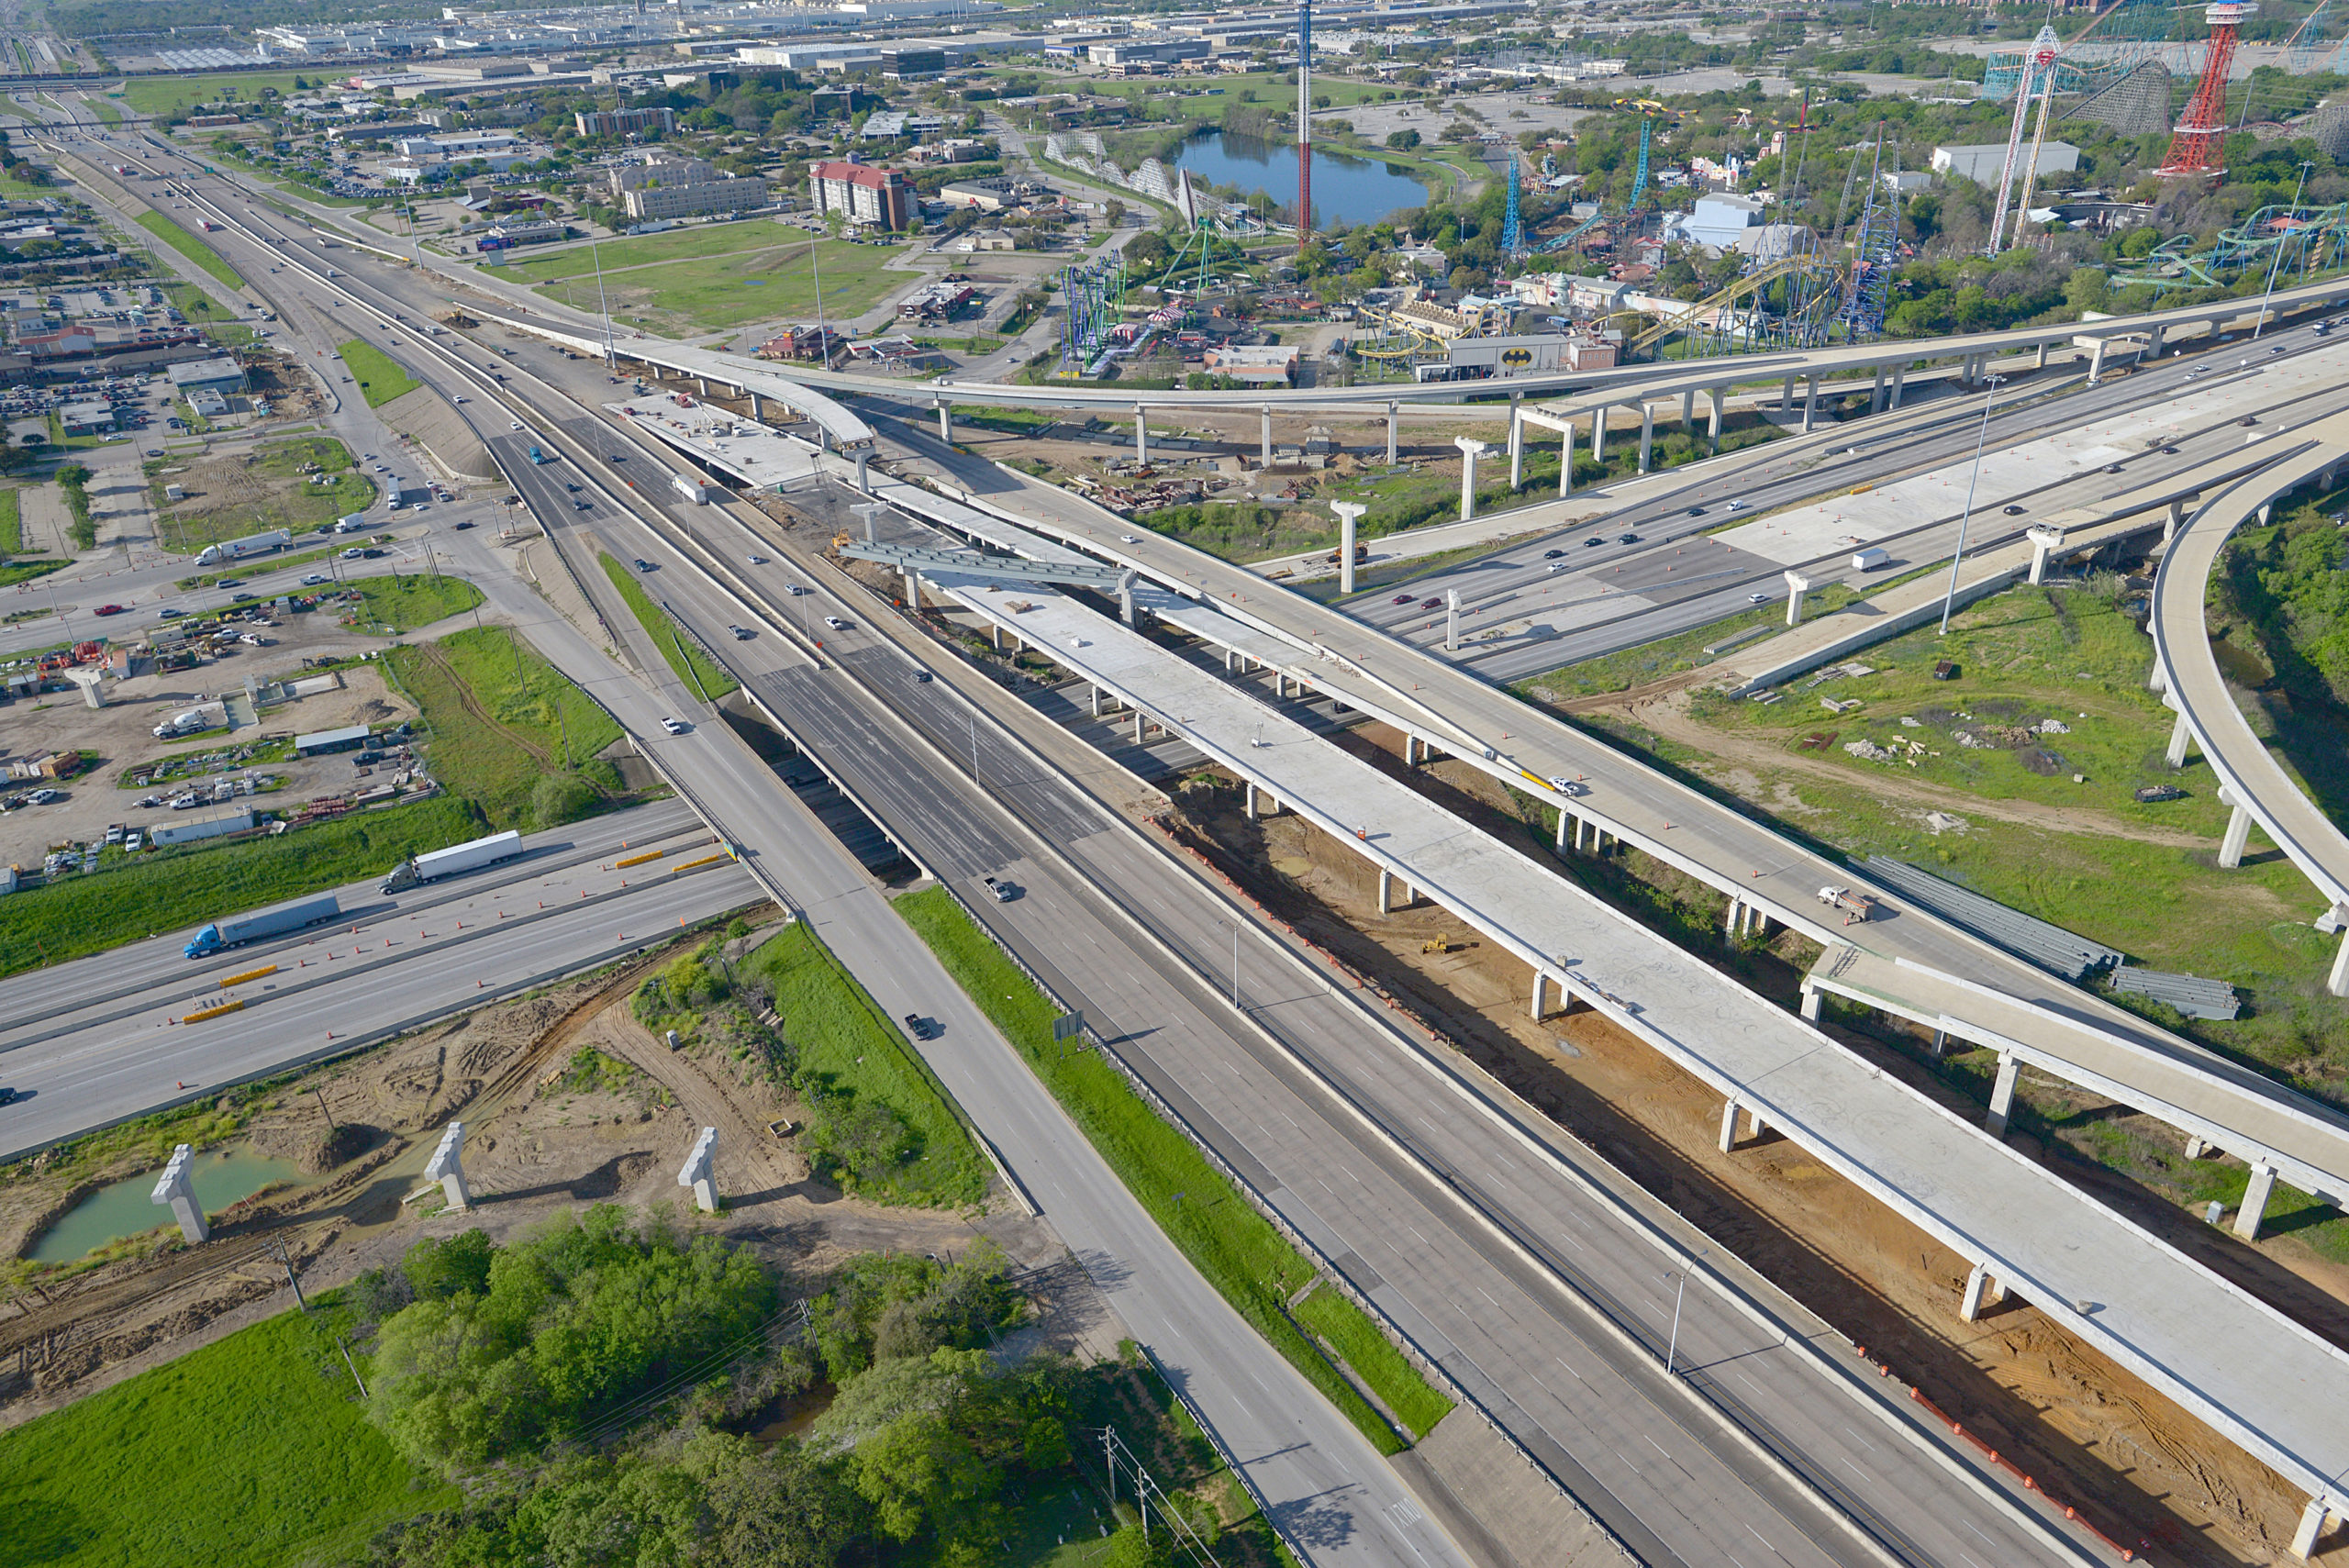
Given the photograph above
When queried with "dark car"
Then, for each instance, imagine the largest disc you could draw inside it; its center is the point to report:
(1627, 538)
(7, 1096)
(2169, 452)
(1552, 554)
(641, 564)
(462, 526)
(240, 599)
(579, 505)
(1593, 540)
(1695, 511)
(2015, 511)
(1402, 598)
(2248, 419)
(1431, 604)
(917, 1026)
(616, 457)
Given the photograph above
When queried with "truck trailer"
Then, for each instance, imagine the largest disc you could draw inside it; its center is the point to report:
(472, 855)
(243, 549)
(222, 935)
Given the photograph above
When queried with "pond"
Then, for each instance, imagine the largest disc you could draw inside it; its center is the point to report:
(1346, 189)
(221, 1176)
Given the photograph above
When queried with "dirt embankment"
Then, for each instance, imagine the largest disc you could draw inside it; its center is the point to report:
(536, 1143)
(2090, 1432)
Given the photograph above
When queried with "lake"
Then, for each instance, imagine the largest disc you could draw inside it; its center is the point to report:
(1346, 189)
(220, 1177)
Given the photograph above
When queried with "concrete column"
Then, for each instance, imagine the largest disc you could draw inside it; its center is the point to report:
(699, 1171)
(1410, 751)
(1126, 582)
(2044, 541)
(2336, 983)
(1138, 727)
(758, 408)
(1797, 586)
(1728, 1125)
(1265, 453)
(2266, 511)
(1941, 1044)
(2002, 1095)
(1386, 891)
(2313, 1520)
(1809, 404)
(2177, 517)
(1348, 513)
(1516, 442)
(2195, 1148)
(945, 421)
(1470, 450)
(1566, 460)
(1599, 434)
(2040, 362)
(1451, 621)
(1787, 396)
(2095, 363)
(1578, 831)
(2254, 1200)
(1715, 398)
(1688, 410)
(447, 1167)
(1900, 378)
(173, 1191)
(1736, 909)
(1096, 694)
(1251, 803)
(1540, 995)
(1142, 436)
(1563, 816)
(1875, 392)
(1981, 1291)
(913, 591)
(2154, 341)
(863, 457)
(1810, 1002)
(1390, 434)
(2238, 830)
(1647, 435)
(871, 512)
(2180, 736)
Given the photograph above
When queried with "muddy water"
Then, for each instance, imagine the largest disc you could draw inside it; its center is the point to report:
(221, 1176)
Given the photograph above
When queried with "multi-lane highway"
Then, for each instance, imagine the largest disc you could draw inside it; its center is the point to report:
(103, 1040)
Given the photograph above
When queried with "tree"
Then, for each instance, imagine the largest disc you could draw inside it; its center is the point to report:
(916, 1471)
(1402, 140)
(1113, 212)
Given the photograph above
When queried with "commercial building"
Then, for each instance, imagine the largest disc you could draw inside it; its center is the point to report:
(936, 302)
(625, 122)
(666, 187)
(1721, 219)
(87, 419)
(1982, 162)
(213, 376)
(862, 194)
(1267, 364)
(912, 64)
(991, 193)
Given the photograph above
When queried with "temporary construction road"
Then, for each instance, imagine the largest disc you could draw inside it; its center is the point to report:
(102, 1039)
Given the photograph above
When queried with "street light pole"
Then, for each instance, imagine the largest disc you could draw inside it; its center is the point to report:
(1949, 599)
(2276, 265)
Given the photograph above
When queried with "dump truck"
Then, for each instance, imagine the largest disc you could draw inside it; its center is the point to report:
(470, 855)
(222, 935)
(1854, 906)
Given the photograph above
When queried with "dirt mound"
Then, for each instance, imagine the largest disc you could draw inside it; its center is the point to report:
(349, 1141)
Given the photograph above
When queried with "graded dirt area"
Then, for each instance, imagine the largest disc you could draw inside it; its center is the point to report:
(2089, 1433)
(538, 1141)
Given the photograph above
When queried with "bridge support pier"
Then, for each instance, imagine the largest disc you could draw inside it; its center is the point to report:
(2095, 363)
(1097, 691)
(1715, 398)
(1598, 433)
(447, 1167)
(2253, 1207)
(1981, 1291)
(2153, 343)
(2314, 1519)
(1647, 436)
(2180, 736)
(2238, 832)
(1141, 436)
(863, 460)
(1787, 396)
(1387, 902)
(1470, 450)
(1810, 403)
(1900, 378)
(1797, 586)
(1875, 392)
(1265, 431)
(1688, 410)
(2039, 362)
(700, 1170)
(2044, 541)
(1451, 621)
(172, 1192)
(1755, 1125)
(1541, 995)
(2002, 1095)
(1566, 460)
(1348, 513)
(945, 421)
(2177, 516)
(1810, 1004)
(2336, 983)
(1390, 434)
(1516, 442)
(1138, 727)
(758, 408)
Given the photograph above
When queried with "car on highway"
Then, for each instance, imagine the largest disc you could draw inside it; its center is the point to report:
(579, 505)
(7, 1096)
(1695, 511)
(2112, 468)
(569, 486)
(2248, 419)
(1592, 541)
(641, 564)
(170, 613)
(460, 525)
(674, 726)
(616, 457)
(2276, 349)
(1568, 786)
(1005, 892)
(836, 623)
(1431, 604)
(313, 579)
(756, 560)
(1552, 554)
(107, 610)
(2016, 511)
(741, 633)
(1627, 538)
(794, 589)
(239, 598)
(154, 452)
(462, 399)
(1757, 598)
(229, 583)
(355, 553)
(921, 676)
(1402, 598)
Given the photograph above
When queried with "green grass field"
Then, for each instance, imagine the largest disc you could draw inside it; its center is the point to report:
(708, 279)
(842, 1036)
(104, 110)
(251, 1450)
(292, 502)
(188, 245)
(531, 721)
(395, 604)
(177, 888)
(379, 378)
(12, 524)
(699, 671)
(164, 94)
(1238, 1251)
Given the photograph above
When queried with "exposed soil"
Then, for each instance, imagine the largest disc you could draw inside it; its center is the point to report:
(2091, 1434)
(533, 1148)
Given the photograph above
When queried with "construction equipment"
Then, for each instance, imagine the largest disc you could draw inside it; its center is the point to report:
(1856, 906)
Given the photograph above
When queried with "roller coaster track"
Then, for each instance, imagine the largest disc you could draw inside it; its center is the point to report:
(1743, 288)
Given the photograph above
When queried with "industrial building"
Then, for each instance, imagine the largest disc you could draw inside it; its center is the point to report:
(214, 375)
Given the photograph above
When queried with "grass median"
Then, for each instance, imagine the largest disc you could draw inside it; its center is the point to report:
(380, 379)
(508, 730)
(395, 604)
(214, 264)
(1237, 1249)
(704, 674)
(135, 1473)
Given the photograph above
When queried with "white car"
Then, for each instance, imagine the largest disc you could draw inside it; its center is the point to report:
(756, 560)
(313, 579)
(675, 726)
(836, 623)
(794, 589)
(1757, 598)
(514, 424)
(464, 400)
(1733, 507)
(1126, 539)
(1568, 786)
